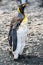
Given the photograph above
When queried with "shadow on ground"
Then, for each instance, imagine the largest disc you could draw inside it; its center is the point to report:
(30, 60)
(7, 59)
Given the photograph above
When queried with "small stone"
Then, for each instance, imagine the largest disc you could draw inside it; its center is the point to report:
(4, 61)
(1, 12)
